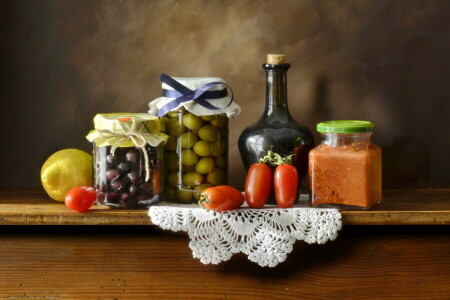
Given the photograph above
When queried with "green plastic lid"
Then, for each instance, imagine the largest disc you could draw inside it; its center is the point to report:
(345, 126)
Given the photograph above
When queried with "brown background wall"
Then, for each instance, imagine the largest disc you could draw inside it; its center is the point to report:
(61, 62)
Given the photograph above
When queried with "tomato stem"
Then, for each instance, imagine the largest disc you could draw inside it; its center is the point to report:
(275, 159)
(204, 199)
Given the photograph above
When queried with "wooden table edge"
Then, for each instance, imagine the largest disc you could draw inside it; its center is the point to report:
(142, 218)
(33, 207)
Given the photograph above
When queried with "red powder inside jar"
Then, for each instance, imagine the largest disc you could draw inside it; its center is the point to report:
(348, 175)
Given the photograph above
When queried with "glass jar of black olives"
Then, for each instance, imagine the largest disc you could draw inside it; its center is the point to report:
(120, 178)
(127, 159)
(195, 155)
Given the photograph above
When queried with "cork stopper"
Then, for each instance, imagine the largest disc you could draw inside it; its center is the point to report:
(276, 59)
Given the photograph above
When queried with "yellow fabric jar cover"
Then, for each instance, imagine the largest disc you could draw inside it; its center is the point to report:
(123, 129)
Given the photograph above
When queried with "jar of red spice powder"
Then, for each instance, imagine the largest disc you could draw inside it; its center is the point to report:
(345, 169)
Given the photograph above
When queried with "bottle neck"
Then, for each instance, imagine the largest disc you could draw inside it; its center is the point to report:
(276, 92)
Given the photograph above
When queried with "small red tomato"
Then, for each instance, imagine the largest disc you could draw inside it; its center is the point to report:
(80, 198)
(221, 198)
(258, 185)
(285, 182)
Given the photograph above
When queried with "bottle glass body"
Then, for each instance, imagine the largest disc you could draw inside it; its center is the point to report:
(345, 171)
(276, 130)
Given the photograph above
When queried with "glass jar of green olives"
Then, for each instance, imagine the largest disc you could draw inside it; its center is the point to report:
(196, 153)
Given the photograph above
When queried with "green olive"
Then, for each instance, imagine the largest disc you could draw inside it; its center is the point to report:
(205, 165)
(219, 121)
(217, 177)
(192, 122)
(169, 192)
(174, 179)
(163, 121)
(200, 188)
(203, 148)
(187, 169)
(223, 131)
(171, 144)
(207, 118)
(222, 161)
(219, 148)
(209, 133)
(192, 179)
(174, 114)
(171, 161)
(184, 194)
(174, 128)
(188, 140)
(188, 157)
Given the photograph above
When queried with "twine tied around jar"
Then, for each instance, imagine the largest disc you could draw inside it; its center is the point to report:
(138, 138)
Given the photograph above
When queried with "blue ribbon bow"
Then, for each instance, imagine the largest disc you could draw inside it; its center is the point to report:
(184, 94)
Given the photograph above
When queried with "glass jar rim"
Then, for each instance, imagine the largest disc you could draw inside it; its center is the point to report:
(345, 126)
(361, 134)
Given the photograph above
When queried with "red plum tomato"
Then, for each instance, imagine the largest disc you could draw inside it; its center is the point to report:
(258, 184)
(80, 198)
(221, 198)
(285, 182)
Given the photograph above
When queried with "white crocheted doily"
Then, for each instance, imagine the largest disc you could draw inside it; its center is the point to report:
(266, 235)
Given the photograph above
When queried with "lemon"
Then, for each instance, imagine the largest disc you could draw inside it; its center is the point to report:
(65, 170)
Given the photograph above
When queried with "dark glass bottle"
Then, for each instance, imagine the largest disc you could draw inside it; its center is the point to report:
(276, 130)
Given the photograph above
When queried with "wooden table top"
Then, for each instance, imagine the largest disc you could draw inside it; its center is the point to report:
(399, 207)
(144, 262)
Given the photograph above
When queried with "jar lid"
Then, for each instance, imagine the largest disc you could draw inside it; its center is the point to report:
(345, 126)
(124, 122)
(201, 96)
(125, 129)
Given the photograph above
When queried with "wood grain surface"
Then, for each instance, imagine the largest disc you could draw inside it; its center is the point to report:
(136, 262)
(399, 207)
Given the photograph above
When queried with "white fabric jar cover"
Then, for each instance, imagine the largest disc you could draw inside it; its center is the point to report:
(198, 95)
